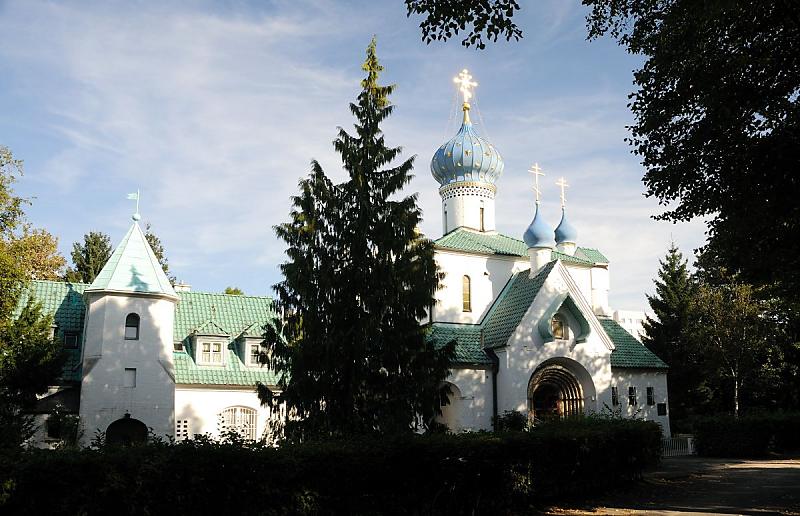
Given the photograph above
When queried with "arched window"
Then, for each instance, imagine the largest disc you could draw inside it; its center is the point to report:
(241, 420)
(466, 294)
(559, 327)
(132, 327)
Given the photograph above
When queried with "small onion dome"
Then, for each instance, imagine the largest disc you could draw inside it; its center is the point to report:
(566, 232)
(466, 157)
(539, 233)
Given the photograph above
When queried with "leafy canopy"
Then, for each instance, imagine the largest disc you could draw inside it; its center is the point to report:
(444, 19)
(353, 357)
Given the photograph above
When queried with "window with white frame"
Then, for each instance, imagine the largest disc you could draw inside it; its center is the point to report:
(241, 420)
(211, 353)
(254, 354)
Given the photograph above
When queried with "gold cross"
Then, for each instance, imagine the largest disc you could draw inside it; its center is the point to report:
(465, 82)
(563, 184)
(536, 170)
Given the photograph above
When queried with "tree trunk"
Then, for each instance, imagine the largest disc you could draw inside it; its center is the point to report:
(736, 396)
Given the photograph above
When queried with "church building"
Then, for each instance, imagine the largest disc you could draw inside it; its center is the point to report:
(529, 317)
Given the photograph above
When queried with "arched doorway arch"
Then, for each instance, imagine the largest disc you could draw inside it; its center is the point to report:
(126, 431)
(451, 413)
(559, 388)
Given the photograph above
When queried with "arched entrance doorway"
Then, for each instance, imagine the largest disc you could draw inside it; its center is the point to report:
(126, 431)
(554, 392)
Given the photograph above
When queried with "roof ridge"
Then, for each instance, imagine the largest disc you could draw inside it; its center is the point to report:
(238, 296)
(59, 282)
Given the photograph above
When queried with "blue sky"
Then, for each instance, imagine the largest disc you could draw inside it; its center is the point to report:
(215, 109)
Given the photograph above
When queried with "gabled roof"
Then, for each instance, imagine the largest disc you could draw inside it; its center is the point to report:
(133, 267)
(513, 302)
(629, 352)
(471, 241)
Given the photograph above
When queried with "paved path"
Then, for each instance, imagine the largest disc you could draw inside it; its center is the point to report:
(690, 485)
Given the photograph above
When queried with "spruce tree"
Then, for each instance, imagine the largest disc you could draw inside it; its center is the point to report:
(666, 333)
(90, 257)
(359, 278)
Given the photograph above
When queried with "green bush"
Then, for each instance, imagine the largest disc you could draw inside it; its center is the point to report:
(753, 435)
(436, 474)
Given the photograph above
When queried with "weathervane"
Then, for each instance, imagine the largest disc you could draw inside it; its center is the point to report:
(135, 197)
(465, 85)
(563, 184)
(536, 170)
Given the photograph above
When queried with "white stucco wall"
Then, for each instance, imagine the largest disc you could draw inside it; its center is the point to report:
(201, 406)
(106, 355)
(470, 406)
(465, 210)
(588, 361)
(641, 379)
(488, 276)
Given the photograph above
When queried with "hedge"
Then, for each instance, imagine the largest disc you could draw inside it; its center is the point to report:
(437, 474)
(754, 435)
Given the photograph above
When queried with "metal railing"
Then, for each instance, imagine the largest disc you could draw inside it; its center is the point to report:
(678, 446)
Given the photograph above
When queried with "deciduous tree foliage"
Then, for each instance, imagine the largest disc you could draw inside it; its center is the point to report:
(359, 278)
(234, 291)
(488, 19)
(717, 121)
(89, 257)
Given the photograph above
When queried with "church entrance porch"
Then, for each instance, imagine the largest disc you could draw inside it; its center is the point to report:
(126, 431)
(554, 392)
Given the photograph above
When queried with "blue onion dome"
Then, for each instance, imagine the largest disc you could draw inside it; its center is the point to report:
(539, 233)
(466, 157)
(566, 232)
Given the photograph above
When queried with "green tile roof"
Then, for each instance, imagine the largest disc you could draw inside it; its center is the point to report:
(629, 352)
(64, 301)
(133, 267)
(592, 255)
(217, 314)
(512, 303)
(187, 372)
(468, 341)
(471, 241)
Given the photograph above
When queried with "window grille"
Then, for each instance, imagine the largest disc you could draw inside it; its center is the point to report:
(132, 327)
(211, 353)
(466, 293)
(182, 429)
(632, 396)
(241, 420)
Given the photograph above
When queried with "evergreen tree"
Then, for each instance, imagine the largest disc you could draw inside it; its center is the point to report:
(666, 333)
(359, 278)
(158, 250)
(90, 257)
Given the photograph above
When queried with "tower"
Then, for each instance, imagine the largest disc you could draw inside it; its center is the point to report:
(467, 168)
(128, 381)
(539, 234)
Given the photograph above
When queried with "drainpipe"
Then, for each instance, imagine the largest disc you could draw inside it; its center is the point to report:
(495, 370)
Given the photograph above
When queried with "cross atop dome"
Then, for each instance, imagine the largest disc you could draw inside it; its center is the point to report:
(536, 170)
(563, 184)
(465, 85)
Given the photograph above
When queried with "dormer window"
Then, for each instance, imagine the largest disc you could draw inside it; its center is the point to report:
(558, 327)
(71, 340)
(211, 353)
(132, 327)
(254, 356)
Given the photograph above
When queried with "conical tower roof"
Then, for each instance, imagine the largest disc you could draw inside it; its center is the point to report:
(134, 268)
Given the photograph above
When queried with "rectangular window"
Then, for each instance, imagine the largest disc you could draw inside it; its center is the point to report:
(182, 429)
(71, 340)
(255, 355)
(482, 225)
(651, 396)
(614, 397)
(129, 378)
(662, 409)
(632, 396)
(177, 346)
(211, 353)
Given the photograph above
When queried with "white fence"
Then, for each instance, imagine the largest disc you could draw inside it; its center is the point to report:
(678, 446)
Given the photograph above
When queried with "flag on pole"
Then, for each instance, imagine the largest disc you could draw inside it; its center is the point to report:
(133, 196)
